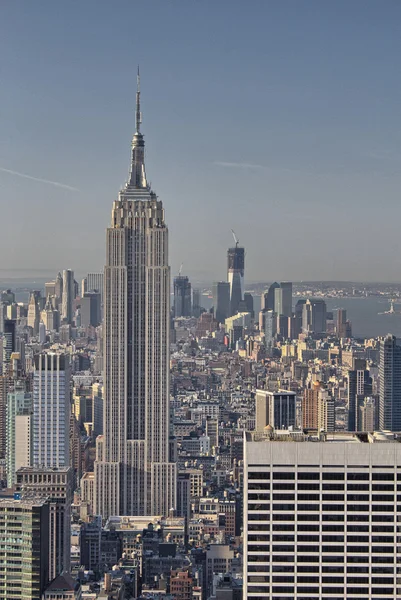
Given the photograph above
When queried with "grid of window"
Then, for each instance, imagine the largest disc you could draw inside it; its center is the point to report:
(322, 533)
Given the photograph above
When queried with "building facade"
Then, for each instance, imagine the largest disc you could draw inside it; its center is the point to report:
(51, 410)
(320, 517)
(390, 384)
(133, 472)
(24, 548)
(235, 276)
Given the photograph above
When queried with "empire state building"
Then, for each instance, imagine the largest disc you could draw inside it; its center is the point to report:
(133, 473)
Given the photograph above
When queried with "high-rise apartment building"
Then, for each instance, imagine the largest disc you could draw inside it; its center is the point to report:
(235, 276)
(359, 388)
(390, 384)
(133, 472)
(221, 300)
(68, 295)
(182, 297)
(24, 548)
(56, 486)
(321, 517)
(51, 410)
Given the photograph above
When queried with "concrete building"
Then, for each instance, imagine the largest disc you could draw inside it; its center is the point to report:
(56, 485)
(133, 473)
(267, 299)
(3, 416)
(390, 384)
(51, 410)
(64, 587)
(320, 517)
(221, 300)
(24, 548)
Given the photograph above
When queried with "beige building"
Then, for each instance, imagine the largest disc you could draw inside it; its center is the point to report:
(133, 474)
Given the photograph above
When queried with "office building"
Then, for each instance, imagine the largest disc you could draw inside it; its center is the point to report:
(359, 388)
(49, 316)
(314, 316)
(390, 384)
(248, 302)
(64, 587)
(59, 291)
(56, 485)
(24, 548)
(267, 299)
(283, 299)
(196, 303)
(34, 311)
(182, 297)
(343, 327)
(321, 517)
(97, 408)
(276, 409)
(235, 277)
(369, 415)
(221, 300)
(68, 295)
(90, 309)
(3, 415)
(51, 410)
(9, 342)
(133, 473)
(93, 282)
(19, 430)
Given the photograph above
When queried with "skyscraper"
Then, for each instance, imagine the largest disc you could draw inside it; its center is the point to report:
(221, 300)
(34, 311)
(390, 384)
(267, 300)
(283, 299)
(236, 263)
(24, 548)
(68, 295)
(182, 296)
(359, 388)
(133, 473)
(314, 316)
(51, 410)
(93, 282)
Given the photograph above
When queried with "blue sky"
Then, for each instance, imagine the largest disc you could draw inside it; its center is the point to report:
(279, 119)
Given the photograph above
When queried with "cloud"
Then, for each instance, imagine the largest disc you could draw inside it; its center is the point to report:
(40, 180)
(235, 165)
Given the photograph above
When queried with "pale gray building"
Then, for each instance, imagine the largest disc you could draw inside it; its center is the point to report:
(133, 472)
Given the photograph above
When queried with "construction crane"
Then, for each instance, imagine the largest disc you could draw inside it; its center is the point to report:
(236, 240)
(180, 270)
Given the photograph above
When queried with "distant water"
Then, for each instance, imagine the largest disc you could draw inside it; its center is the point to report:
(362, 312)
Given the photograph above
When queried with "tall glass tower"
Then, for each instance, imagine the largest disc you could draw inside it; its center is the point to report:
(133, 473)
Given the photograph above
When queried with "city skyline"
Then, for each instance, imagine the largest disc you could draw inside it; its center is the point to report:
(285, 122)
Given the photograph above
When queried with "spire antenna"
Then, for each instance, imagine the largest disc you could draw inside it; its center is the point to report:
(138, 102)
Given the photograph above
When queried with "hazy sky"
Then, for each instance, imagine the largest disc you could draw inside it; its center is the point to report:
(279, 119)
